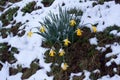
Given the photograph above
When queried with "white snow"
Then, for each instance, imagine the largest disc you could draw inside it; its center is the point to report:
(4, 73)
(102, 15)
(87, 75)
(96, 71)
(17, 76)
(75, 74)
(107, 77)
(118, 34)
(40, 75)
(102, 49)
(114, 32)
(115, 69)
(115, 51)
(93, 41)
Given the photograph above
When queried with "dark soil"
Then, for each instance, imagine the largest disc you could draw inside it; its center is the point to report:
(81, 55)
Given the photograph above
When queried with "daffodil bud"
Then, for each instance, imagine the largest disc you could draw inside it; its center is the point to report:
(64, 66)
(72, 23)
(42, 29)
(66, 42)
(79, 32)
(29, 34)
(52, 53)
(61, 52)
(94, 29)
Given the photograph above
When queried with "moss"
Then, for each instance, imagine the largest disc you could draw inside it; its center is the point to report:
(27, 72)
(14, 30)
(12, 71)
(95, 76)
(2, 2)
(47, 3)
(29, 7)
(107, 38)
(14, 50)
(14, 1)
(6, 53)
(110, 28)
(94, 4)
(8, 16)
(4, 32)
(1, 66)
(75, 11)
(101, 1)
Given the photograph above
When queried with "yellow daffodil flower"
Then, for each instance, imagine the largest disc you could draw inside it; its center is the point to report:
(42, 29)
(79, 32)
(52, 53)
(66, 42)
(61, 52)
(29, 34)
(64, 66)
(72, 23)
(94, 29)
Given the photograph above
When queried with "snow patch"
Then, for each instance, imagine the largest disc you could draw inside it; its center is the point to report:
(93, 41)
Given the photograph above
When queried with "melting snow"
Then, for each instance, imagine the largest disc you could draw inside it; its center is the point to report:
(93, 41)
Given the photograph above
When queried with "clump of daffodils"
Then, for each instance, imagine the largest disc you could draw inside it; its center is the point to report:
(64, 66)
(29, 34)
(60, 30)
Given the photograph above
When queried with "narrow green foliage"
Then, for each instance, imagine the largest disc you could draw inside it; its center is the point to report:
(58, 27)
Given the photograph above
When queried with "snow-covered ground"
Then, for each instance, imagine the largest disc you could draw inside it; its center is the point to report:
(30, 47)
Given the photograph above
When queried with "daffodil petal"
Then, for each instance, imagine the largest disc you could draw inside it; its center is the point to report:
(64, 66)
